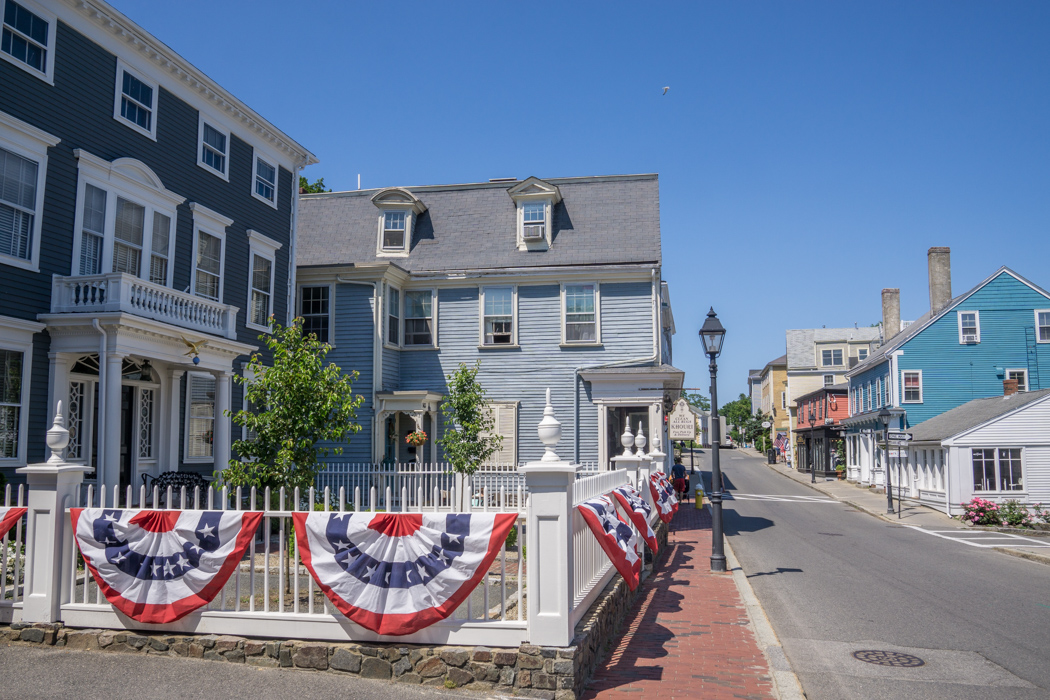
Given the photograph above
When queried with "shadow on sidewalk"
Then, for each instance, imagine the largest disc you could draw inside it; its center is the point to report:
(778, 570)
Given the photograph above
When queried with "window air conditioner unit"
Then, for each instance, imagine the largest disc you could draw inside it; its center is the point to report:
(969, 338)
(533, 233)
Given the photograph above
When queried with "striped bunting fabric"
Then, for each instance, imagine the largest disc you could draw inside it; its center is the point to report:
(615, 536)
(638, 510)
(8, 518)
(663, 496)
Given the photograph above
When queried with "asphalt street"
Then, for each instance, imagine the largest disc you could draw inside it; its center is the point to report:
(834, 580)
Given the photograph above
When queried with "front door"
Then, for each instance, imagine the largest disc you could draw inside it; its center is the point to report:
(127, 435)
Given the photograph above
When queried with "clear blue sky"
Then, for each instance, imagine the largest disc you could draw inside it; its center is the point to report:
(809, 152)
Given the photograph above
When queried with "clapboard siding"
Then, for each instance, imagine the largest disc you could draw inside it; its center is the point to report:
(391, 369)
(953, 373)
(868, 379)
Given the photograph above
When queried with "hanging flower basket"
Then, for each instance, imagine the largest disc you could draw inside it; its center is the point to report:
(416, 438)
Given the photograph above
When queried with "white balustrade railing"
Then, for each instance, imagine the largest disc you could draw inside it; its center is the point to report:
(117, 291)
(591, 567)
(12, 558)
(273, 595)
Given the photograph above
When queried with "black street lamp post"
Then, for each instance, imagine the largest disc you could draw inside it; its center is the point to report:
(711, 335)
(884, 418)
(812, 447)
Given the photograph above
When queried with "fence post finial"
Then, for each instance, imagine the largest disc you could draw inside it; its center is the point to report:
(58, 437)
(627, 440)
(549, 431)
(640, 441)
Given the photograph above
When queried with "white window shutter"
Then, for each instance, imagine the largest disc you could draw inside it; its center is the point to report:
(505, 421)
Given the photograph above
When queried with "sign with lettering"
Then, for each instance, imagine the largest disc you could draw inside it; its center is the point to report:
(898, 437)
(681, 424)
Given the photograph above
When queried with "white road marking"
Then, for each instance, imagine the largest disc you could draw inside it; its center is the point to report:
(734, 496)
(971, 538)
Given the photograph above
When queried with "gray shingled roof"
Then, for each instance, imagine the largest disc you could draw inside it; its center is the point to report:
(971, 414)
(800, 341)
(600, 220)
(782, 360)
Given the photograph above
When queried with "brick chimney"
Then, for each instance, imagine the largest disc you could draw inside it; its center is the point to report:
(891, 313)
(1009, 387)
(940, 265)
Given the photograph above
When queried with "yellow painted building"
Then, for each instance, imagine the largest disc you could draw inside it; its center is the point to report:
(774, 395)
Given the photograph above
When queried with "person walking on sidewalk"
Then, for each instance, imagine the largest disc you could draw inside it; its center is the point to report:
(678, 479)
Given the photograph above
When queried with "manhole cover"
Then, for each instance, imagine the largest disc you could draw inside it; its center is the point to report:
(880, 657)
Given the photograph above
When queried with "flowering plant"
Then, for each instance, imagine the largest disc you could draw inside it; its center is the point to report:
(1041, 513)
(1015, 514)
(416, 438)
(981, 512)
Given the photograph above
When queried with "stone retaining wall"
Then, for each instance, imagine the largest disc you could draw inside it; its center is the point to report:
(553, 673)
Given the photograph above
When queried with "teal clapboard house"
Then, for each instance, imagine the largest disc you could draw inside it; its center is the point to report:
(547, 283)
(964, 348)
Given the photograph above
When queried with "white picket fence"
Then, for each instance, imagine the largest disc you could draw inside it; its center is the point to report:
(12, 558)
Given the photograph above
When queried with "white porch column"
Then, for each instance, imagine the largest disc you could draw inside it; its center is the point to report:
(174, 426)
(433, 436)
(603, 439)
(110, 469)
(656, 432)
(49, 537)
(220, 446)
(59, 380)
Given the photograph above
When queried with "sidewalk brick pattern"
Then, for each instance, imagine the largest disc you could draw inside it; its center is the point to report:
(688, 635)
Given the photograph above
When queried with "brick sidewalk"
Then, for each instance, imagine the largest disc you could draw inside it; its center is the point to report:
(688, 635)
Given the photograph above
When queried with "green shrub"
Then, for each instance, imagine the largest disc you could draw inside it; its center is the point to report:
(1015, 514)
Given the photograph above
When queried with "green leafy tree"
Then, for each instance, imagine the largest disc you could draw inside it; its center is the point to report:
(698, 401)
(294, 409)
(316, 187)
(736, 413)
(468, 438)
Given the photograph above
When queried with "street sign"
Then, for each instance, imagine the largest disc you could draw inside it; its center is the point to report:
(898, 454)
(681, 424)
(898, 437)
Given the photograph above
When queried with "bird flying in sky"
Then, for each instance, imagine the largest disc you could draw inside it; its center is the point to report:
(666, 89)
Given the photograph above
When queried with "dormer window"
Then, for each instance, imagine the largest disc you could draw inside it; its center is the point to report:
(398, 211)
(534, 200)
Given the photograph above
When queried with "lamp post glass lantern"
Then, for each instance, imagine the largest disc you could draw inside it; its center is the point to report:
(812, 447)
(711, 336)
(884, 419)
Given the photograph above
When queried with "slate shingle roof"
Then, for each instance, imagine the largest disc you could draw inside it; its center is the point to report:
(600, 220)
(971, 414)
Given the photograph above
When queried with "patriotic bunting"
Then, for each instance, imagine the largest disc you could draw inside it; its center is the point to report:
(615, 537)
(638, 511)
(398, 573)
(663, 496)
(8, 518)
(158, 566)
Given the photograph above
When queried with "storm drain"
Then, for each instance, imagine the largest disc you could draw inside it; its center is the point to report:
(880, 657)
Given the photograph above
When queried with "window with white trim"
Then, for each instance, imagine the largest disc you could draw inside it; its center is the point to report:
(136, 101)
(498, 327)
(831, 358)
(829, 379)
(127, 235)
(969, 327)
(997, 469)
(1042, 325)
(394, 227)
(160, 248)
(207, 273)
(912, 386)
(11, 424)
(213, 148)
(783, 399)
(200, 431)
(862, 354)
(28, 38)
(505, 424)
(580, 313)
(19, 179)
(393, 316)
(262, 252)
(419, 318)
(1021, 375)
(534, 220)
(265, 181)
(315, 310)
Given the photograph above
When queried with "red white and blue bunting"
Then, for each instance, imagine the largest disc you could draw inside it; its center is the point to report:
(638, 510)
(615, 536)
(158, 566)
(398, 573)
(8, 518)
(663, 496)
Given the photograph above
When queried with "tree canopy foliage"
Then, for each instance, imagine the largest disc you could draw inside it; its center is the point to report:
(306, 187)
(468, 438)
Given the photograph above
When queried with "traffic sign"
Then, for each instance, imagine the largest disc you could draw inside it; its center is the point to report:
(898, 437)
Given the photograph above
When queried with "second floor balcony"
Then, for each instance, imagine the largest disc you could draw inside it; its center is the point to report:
(117, 291)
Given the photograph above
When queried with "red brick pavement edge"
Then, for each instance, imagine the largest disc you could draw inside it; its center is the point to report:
(688, 634)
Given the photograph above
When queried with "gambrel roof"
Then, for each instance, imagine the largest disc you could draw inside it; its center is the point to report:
(603, 220)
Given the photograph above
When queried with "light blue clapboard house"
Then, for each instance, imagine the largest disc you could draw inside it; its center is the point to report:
(548, 283)
(965, 348)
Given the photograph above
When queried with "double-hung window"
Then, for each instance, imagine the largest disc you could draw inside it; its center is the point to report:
(213, 150)
(201, 417)
(912, 387)
(581, 313)
(419, 317)
(18, 206)
(10, 403)
(208, 266)
(127, 234)
(28, 37)
(862, 354)
(534, 220)
(1021, 375)
(265, 180)
(1042, 325)
(831, 358)
(160, 251)
(136, 101)
(829, 379)
(498, 316)
(393, 316)
(263, 256)
(394, 230)
(315, 310)
(969, 327)
(997, 469)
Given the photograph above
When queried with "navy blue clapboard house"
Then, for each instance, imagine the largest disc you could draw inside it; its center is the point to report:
(141, 206)
(549, 283)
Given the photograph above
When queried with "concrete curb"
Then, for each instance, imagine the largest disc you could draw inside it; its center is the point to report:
(1038, 558)
(785, 683)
